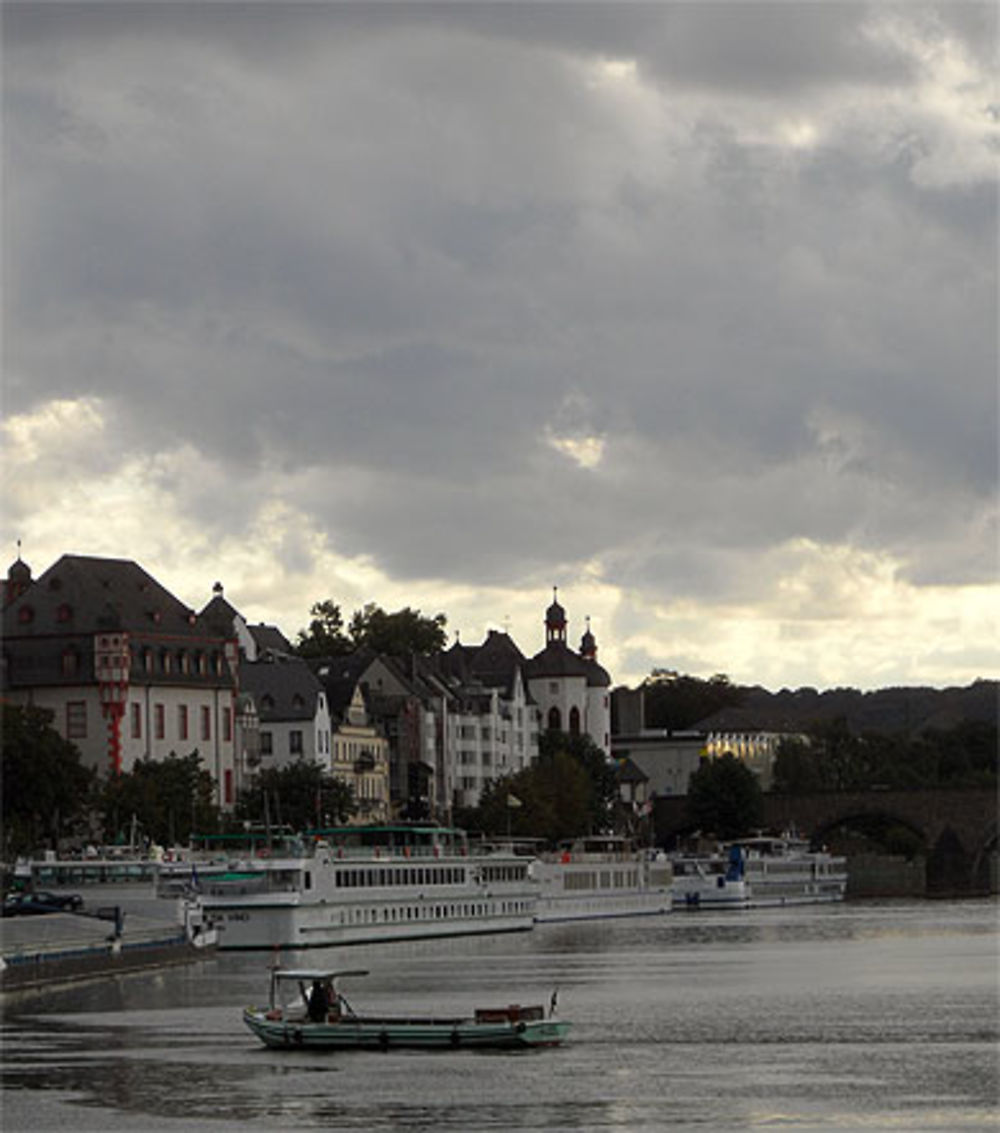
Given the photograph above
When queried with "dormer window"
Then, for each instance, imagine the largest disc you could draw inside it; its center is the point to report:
(166, 662)
(64, 613)
(26, 615)
(70, 662)
(185, 661)
(298, 702)
(267, 702)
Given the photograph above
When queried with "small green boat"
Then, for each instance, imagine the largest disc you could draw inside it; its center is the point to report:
(320, 1018)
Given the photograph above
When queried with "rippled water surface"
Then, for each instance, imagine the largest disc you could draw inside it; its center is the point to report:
(858, 1016)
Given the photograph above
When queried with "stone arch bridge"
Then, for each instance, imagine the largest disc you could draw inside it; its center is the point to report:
(957, 828)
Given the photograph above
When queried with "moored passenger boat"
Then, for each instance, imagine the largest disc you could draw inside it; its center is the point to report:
(601, 876)
(709, 881)
(783, 870)
(361, 884)
(323, 1019)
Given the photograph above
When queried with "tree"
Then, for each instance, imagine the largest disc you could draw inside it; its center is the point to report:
(168, 799)
(600, 772)
(325, 636)
(551, 799)
(46, 789)
(405, 631)
(725, 797)
(299, 795)
(674, 702)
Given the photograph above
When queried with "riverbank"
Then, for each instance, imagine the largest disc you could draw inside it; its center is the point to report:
(122, 929)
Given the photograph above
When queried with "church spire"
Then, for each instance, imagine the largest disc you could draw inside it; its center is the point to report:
(555, 620)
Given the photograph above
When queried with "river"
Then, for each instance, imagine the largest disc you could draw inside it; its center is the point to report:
(872, 1016)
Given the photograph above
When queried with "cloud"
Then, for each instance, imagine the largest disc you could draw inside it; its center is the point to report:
(638, 296)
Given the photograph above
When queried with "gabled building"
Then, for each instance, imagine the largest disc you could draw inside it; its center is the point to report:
(127, 669)
(293, 716)
(360, 755)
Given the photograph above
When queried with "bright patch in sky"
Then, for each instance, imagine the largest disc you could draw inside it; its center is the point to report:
(350, 302)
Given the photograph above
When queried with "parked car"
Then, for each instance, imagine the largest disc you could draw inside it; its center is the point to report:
(33, 904)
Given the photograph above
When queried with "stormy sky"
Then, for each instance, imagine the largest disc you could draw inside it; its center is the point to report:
(687, 309)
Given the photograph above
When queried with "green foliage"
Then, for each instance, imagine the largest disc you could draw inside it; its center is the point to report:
(405, 631)
(325, 636)
(570, 790)
(675, 702)
(833, 759)
(169, 798)
(299, 795)
(725, 798)
(46, 789)
(600, 772)
(554, 802)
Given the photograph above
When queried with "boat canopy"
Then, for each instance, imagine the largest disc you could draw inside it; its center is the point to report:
(302, 974)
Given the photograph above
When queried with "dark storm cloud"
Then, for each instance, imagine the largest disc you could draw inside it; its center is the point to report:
(413, 255)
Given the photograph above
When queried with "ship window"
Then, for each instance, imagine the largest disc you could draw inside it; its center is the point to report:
(309, 879)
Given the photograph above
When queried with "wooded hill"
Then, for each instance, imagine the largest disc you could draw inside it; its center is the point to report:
(897, 711)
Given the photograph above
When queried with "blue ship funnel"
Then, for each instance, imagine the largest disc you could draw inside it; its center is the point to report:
(735, 870)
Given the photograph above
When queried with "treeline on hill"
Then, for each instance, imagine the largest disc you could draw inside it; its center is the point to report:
(844, 739)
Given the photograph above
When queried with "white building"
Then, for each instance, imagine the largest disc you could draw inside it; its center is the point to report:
(127, 670)
(293, 717)
(571, 690)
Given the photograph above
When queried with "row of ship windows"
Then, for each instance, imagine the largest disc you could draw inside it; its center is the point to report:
(605, 880)
(393, 913)
(424, 875)
(391, 875)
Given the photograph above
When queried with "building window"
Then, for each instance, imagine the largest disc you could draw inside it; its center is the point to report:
(227, 724)
(555, 720)
(64, 613)
(554, 687)
(137, 721)
(76, 720)
(228, 786)
(166, 661)
(159, 722)
(185, 661)
(147, 660)
(266, 743)
(295, 742)
(25, 615)
(182, 721)
(70, 662)
(574, 721)
(206, 722)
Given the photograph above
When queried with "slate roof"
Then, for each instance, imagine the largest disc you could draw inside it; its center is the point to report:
(558, 660)
(285, 689)
(269, 639)
(85, 594)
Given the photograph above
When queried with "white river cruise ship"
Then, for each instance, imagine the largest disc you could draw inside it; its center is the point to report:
(601, 876)
(360, 884)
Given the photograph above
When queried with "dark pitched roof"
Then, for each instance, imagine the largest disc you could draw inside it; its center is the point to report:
(85, 594)
(558, 660)
(285, 689)
(269, 639)
(220, 614)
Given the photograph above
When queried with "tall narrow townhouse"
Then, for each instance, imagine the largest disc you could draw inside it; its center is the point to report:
(127, 670)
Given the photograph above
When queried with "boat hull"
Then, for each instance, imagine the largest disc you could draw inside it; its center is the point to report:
(384, 1033)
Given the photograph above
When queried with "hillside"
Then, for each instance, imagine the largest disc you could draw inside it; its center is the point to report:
(908, 711)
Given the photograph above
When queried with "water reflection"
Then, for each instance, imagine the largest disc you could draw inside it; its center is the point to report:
(809, 1018)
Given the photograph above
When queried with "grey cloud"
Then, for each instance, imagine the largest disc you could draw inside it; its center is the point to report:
(386, 248)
